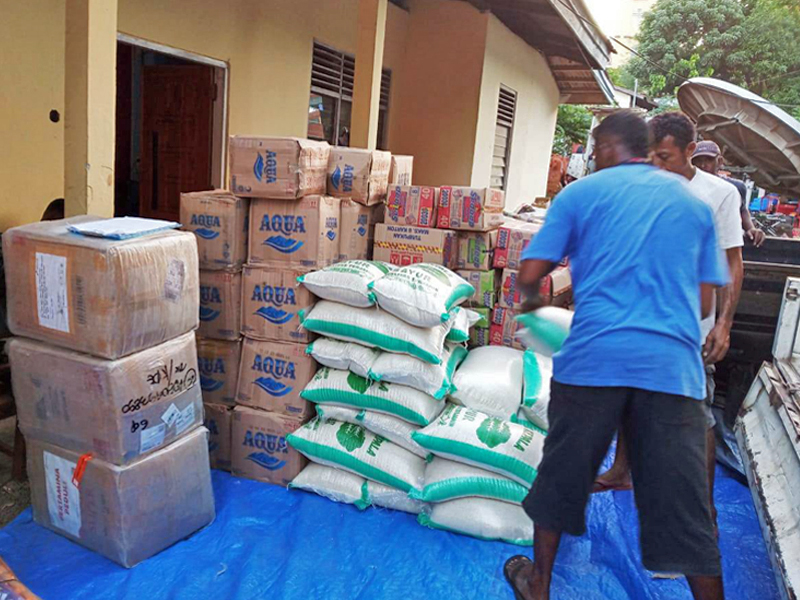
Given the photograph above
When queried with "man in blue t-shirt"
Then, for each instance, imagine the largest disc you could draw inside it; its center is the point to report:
(645, 262)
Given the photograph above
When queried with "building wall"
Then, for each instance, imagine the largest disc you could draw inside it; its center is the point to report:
(511, 62)
(436, 107)
(31, 85)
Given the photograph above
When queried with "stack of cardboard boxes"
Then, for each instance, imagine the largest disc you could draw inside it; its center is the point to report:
(106, 384)
(219, 221)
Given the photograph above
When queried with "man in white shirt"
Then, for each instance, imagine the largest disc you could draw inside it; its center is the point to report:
(673, 138)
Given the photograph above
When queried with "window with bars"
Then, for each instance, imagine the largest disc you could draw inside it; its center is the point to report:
(331, 98)
(503, 134)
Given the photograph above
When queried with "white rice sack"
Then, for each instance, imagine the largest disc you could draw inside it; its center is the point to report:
(490, 381)
(384, 496)
(422, 294)
(436, 380)
(463, 320)
(448, 480)
(334, 484)
(346, 282)
(376, 329)
(536, 396)
(521, 418)
(346, 356)
(469, 436)
(482, 518)
(353, 448)
(393, 429)
(545, 330)
(330, 386)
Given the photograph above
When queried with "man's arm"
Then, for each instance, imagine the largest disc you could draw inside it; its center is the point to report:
(753, 233)
(529, 282)
(719, 340)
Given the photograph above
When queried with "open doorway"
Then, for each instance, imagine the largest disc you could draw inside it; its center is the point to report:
(170, 127)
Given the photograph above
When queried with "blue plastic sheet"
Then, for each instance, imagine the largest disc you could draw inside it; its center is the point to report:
(268, 542)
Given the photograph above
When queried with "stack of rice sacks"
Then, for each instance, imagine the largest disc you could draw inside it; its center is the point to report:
(391, 339)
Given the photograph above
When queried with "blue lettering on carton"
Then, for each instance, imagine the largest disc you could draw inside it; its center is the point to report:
(287, 225)
(209, 295)
(205, 225)
(268, 445)
(347, 178)
(274, 370)
(275, 298)
(265, 168)
(212, 373)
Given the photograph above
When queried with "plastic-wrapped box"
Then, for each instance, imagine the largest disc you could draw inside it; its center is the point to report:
(116, 409)
(126, 514)
(219, 220)
(105, 297)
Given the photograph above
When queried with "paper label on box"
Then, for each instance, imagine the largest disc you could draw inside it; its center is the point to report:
(185, 419)
(171, 415)
(152, 437)
(51, 291)
(173, 285)
(63, 496)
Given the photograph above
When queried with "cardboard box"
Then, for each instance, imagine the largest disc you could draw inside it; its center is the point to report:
(401, 170)
(287, 234)
(512, 239)
(503, 328)
(475, 209)
(220, 305)
(259, 449)
(479, 334)
(412, 205)
(219, 220)
(126, 514)
(271, 302)
(218, 423)
(475, 250)
(105, 297)
(358, 230)
(218, 363)
(272, 375)
(556, 288)
(358, 174)
(510, 295)
(401, 245)
(486, 284)
(275, 167)
(116, 409)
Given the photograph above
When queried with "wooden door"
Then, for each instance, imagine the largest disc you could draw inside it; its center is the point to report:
(177, 103)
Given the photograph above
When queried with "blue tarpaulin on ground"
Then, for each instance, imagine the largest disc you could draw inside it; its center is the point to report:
(268, 542)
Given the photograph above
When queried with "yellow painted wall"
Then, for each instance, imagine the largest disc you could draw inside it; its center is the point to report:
(510, 61)
(436, 105)
(31, 85)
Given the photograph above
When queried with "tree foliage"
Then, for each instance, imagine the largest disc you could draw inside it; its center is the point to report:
(752, 43)
(572, 127)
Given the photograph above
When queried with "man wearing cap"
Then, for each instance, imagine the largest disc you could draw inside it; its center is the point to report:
(708, 157)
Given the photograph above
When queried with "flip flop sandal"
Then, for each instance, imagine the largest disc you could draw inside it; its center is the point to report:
(511, 569)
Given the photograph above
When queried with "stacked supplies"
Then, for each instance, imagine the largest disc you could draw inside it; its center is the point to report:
(392, 341)
(106, 384)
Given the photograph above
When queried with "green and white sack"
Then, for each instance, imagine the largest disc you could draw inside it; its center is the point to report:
(545, 330)
(331, 386)
(482, 518)
(384, 496)
(469, 436)
(346, 282)
(375, 328)
(393, 429)
(536, 397)
(333, 484)
(522, 419)
(463, 319)
(490, 381)
(422, 294)
(448, 480)
(435, 380)
(346, 356)
(353, 448)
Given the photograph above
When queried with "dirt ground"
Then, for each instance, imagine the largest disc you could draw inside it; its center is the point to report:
(14, 495)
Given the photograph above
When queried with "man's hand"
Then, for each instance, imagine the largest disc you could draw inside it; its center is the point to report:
(717, 344)
(756, 236)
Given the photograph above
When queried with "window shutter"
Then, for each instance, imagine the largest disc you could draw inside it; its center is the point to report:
(504, 129)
